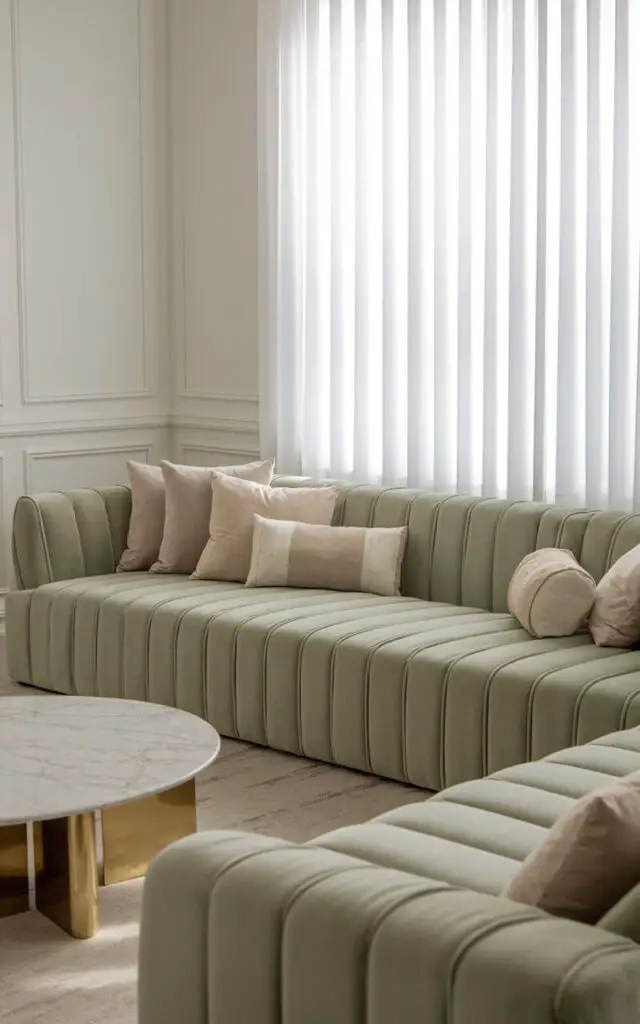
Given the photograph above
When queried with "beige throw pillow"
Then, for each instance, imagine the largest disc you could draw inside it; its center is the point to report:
(615, 617)
(147, 517)
(287, 554)
(589, 859)
(188, 510)
(550, 593)
(227, 555)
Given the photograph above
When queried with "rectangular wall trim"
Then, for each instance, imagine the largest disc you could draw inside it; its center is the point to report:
(29, 394)
(88, 426)
(214, 449)
(30, 457)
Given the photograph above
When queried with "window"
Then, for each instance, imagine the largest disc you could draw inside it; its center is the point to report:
(451, 244)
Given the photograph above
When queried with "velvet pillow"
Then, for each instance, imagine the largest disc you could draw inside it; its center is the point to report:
(147, 517)
(188, 510)
(287, 554)
(590, 858)
(550, 593)
(227, 555)
(615, 617)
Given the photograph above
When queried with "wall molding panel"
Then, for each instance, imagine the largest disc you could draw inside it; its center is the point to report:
(210, 441)
(209, 423)
(214, 222)
(139, 452)
(89, 426)
(247, 401)
(189, 449)
(31, 292)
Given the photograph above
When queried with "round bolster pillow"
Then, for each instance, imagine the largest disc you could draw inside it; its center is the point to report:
(550, 593)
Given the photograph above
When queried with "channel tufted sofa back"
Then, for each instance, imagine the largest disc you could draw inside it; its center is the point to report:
(462, 550)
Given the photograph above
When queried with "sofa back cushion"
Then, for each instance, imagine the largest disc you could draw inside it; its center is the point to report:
(460, 550)
(464, 550)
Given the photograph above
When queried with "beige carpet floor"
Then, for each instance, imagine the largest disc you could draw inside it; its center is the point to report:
(48, 978)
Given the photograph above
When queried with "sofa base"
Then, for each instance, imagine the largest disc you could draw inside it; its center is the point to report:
(420, 692)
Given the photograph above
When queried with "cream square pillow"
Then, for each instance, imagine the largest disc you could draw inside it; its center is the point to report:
(188, 498)
(147, 517)
(590, 858)
(615, 617)
(550, 593)
(356, 558)
(227, 555)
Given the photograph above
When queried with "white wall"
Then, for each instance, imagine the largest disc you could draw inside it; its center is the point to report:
(84, 358)
(128, 240)
(214, 228)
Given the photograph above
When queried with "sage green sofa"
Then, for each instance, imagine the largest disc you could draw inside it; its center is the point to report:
(398, 921)
(433, 688)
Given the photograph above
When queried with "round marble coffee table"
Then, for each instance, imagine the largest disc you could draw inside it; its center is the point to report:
(64, 758)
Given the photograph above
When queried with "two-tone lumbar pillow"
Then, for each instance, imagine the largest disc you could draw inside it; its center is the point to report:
(188, 499)
(147, 517)
(615, 616)
(227, 555)
(356, 558)
(550, 593)
(589, 859)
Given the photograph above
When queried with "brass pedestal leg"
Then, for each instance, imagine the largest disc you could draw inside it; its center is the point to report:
(133, 833)
(67, 886)
(64, 856)
(14, 870)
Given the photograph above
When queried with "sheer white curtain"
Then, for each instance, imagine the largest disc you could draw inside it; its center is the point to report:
(450, 251)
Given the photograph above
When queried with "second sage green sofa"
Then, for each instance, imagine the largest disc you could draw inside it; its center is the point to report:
(397, 921)
(434, 688)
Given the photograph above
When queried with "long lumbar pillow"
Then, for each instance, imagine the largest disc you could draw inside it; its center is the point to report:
(355, 558)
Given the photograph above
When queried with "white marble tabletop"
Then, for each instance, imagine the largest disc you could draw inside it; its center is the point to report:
(66, 755)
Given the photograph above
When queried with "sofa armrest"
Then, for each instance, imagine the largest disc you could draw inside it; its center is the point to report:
(69, 534)
(240, 927)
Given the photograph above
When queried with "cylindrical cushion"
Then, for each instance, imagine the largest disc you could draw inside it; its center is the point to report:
(550, 593)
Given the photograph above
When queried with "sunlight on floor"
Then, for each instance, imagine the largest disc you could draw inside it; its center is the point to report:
(82, 979)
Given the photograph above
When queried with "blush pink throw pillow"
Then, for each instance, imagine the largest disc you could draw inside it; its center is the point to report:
(590, 858)
(188, 498)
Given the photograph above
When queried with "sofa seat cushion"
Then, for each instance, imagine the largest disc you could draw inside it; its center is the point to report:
(428, 693)
(477, 833)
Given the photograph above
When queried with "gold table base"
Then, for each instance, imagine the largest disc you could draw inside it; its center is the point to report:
(64, 853)
(14, 870)
(133, 833)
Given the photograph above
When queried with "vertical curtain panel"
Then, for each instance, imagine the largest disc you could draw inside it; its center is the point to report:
(450, 244)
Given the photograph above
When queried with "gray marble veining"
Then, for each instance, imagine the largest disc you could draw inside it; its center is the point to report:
(66, 755)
